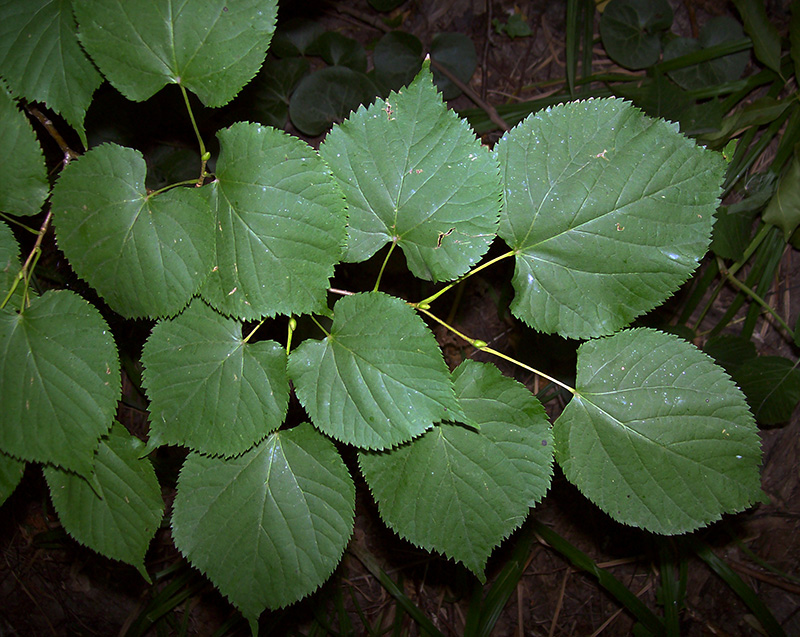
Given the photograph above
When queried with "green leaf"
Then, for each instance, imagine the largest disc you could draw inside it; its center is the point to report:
(772, 387)
(397, 58)
(25, 185)
(460, 491)
(631, 31)
(267, 527)
(370, 386)
(516, 27)
(730, 351)
(328, 96)
(210, 47)
(711, 72)
(766, 39)
(296, 37)
(208, 389)
(146, 255)
(337, 49)
(456, 52)
(9, 266)
(657, 435)
(280, 225)
(42, 61)
(266, 98)
(11, 471)
(59, 379)
(607, 211)
(783, 210)
(123, 517)
(414, 173)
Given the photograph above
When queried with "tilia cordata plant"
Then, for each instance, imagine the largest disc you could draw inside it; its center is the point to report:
(604, 211)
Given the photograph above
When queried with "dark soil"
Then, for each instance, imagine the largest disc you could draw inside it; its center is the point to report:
(50, 585)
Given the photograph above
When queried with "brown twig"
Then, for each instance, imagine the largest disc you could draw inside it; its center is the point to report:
(48, 125)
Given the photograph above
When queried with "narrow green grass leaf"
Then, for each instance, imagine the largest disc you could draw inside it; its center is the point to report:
(11, 471)
(267, 527)
(657, 435)
(370, 386)
(766, 39)
(213, 48)
(25, 184)
(478, 486)
(59, 379)
(120, 521)
(146, 255)
(415, 174)
(208, 389)
(608, 212)
(280, 223)
(42, 61)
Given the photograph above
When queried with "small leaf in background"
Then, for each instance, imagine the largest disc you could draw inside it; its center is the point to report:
(516, 26)
(370, 386)
(328, 96)
(783, 210)
(456, 52)
(732, 231)
(208, 389)
(41, 60)
(397, 58)
(59, 379)
(657, 435)
(267, 527)
(772, 387)
(608, 212)
(766, 39)
(478, 486)
(25, 184)
(210, 47)
(280, 224)
(711, 72)
(11, 471)
(146, 255)
(414, 173)
(631, 31)
(266, 98)
(295, 37)
(730, 351)
(339, 50)
(120, 521)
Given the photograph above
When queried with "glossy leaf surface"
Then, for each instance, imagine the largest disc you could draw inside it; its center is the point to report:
(59, 379)
(267, 527)
(208, 389)
(145, 254)
(120, 521)
(607, 211)
(414, 173)
(370, 386)
(280, 223)
(211, 47)
(657, 435)
(477, 486)
(41, 58)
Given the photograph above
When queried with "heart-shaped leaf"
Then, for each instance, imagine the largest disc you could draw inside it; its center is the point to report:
(397, 58)
(123, 517)
(456, 52)
(478, 485)
(414, 173)
(631, 31)
(772, 387)
(657, 435)
(291, 501)
(42, 61)
(370, 386)
(59, 379)
(211, 47)
(209, 390)
(145, 254)
(280, 225)
(25, 183)
(607, 211)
